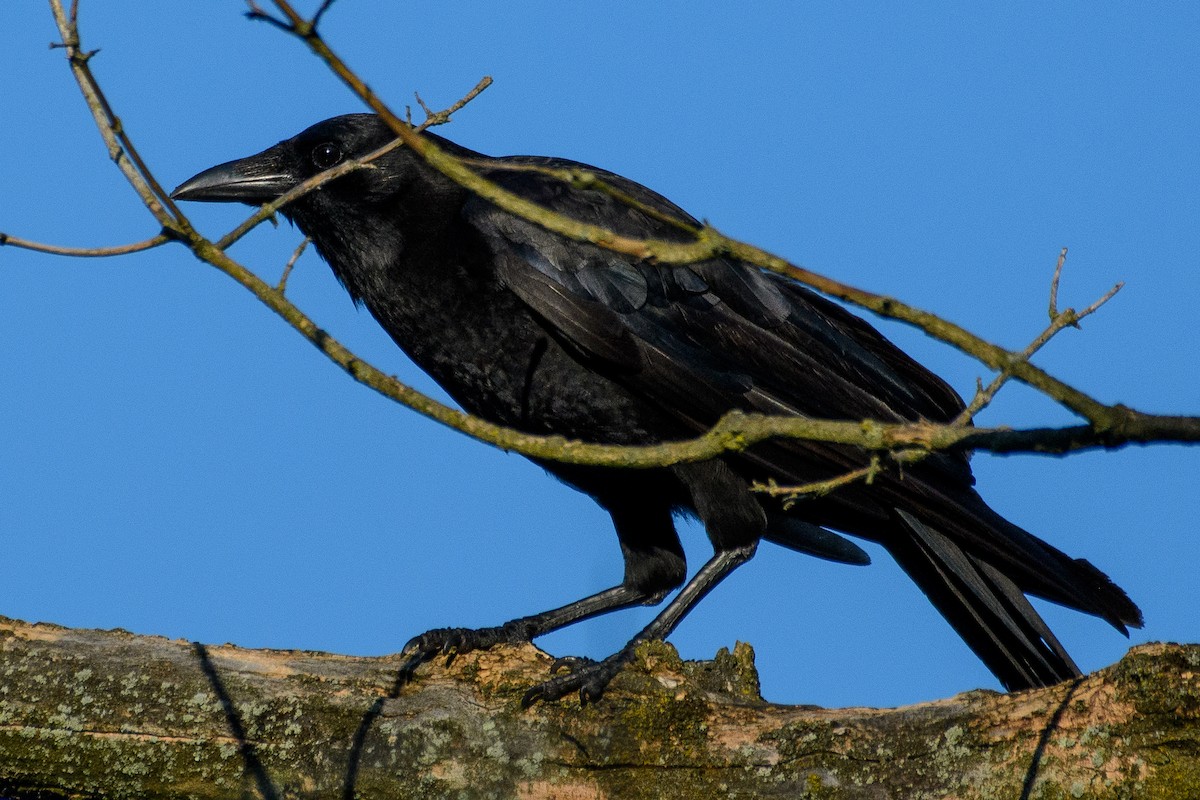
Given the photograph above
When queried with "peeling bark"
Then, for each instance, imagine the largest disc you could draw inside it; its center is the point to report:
(109, 714)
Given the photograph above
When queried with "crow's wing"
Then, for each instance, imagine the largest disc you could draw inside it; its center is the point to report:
(700, 339)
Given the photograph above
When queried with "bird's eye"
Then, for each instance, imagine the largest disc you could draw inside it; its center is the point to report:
(325, 155)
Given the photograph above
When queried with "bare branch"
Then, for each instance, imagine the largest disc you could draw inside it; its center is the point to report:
(792, 494)
(281, 287)
(120, 148)
(256, 12)
(708, 244)
(1094, 307)
(1111, 426)
(442, 117)
(267, 210)
(325, 5)
(1058, 321)
(86, 252)
(1058, 268)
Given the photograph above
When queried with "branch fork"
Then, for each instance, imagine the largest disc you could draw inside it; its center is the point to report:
(1105, 426)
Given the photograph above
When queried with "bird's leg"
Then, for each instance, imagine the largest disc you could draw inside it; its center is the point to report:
(654, 565)
(449, 641)
(590, 678)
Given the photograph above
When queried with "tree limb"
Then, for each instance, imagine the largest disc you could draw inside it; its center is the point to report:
(106, 713)
(1109, 421)
(707, 244)
(1108, 426)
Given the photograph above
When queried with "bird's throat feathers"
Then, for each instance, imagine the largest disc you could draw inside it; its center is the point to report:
(362, 252)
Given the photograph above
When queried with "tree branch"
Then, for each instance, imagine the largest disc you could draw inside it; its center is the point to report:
(708, 244)
(85, 252)
(112, 130)
(1110, 426)
(99, 713)
(88, 713)
(1058, 321)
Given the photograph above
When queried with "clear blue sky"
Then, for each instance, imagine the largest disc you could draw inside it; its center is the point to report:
(176, 461)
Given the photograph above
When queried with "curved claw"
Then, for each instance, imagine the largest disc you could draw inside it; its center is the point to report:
(589, 678)
(432, 642)
(591, 694)
(532, 696)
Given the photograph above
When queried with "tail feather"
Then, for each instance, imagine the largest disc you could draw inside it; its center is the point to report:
(987, 609)
(1051, 574)
(1035, 566)
(1017, 601)
(1109, 601)
(804, 537)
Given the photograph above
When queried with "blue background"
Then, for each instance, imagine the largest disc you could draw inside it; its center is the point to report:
(174, 460)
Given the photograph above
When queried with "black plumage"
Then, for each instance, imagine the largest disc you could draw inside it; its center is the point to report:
(553, 336)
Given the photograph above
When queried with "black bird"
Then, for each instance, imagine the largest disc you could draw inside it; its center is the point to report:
(552, 336)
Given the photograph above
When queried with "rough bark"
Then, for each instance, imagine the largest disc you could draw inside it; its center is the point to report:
(109, 714)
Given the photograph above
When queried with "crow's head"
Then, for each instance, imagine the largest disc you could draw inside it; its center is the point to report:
(263, 177)
(360, 222)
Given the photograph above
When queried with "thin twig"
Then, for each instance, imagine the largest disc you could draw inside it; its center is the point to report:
(85, 252)
(1104, 298)
(428, 111)
(1058, 268)
(708, 244)
(257, 13)
(1059, 320)
(433, 118)
(325, 5)
(792, 494)
(267, 210)
(281, 287)
(120, 148)
(734, 432)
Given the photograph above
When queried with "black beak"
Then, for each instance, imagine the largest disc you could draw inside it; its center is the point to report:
(255, 180)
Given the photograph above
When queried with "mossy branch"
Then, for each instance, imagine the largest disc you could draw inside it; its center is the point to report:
(109, 714)
(1107, 426)
(1111, 422)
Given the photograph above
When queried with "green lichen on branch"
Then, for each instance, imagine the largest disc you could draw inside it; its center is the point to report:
(1107, 426)
(95, 713)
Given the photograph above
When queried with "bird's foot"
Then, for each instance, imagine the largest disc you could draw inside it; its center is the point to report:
(589, 678)
(456, 641)
(583, 675)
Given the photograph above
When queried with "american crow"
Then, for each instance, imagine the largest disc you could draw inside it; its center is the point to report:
(552, 336)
